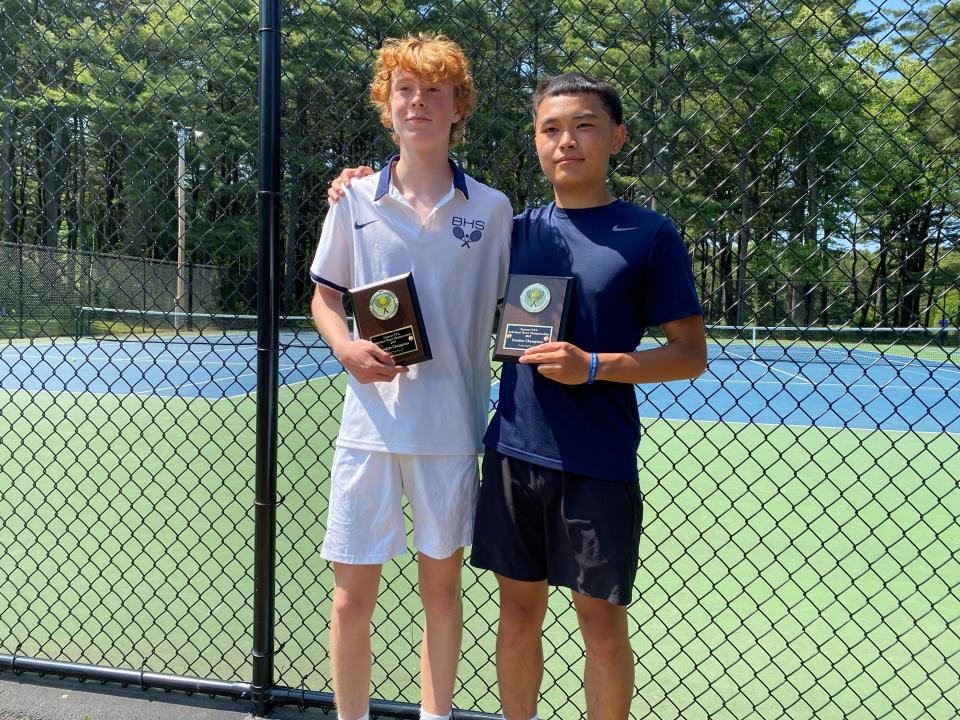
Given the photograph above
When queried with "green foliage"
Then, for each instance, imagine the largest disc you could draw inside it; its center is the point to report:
(807, 152)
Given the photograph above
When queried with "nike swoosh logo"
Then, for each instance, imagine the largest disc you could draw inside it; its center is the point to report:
(358, 226)
(617, 228)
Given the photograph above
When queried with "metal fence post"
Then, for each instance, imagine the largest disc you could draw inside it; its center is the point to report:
(264, 577)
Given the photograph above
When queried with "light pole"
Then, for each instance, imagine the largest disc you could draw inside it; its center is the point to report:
(182, 132)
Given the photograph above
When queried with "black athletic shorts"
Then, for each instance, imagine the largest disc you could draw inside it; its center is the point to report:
(536, 523)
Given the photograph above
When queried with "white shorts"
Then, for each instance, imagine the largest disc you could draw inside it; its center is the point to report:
(365, 520)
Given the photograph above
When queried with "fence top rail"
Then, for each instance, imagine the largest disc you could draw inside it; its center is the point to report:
(828, 328)
(54, 249)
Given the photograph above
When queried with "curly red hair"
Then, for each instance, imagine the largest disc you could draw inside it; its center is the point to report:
(435, 58)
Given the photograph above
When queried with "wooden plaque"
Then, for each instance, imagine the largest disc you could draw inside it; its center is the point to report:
(535, 309)
(387, 314)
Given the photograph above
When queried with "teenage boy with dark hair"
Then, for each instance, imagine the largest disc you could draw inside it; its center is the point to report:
(410, 431)
(560, 502)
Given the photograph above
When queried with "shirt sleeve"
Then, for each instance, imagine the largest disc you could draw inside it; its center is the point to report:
(670, 292)
(333, 262)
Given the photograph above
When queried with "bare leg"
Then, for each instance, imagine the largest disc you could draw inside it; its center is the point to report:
(440, 592)
(354, 598)
(609, 673)
(523, 605)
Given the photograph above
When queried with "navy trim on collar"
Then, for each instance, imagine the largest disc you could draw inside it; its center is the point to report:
(459, 179)
(384, 184)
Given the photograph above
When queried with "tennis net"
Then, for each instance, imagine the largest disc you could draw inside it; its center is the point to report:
(171, 327)
(800, 345)
(828, 345)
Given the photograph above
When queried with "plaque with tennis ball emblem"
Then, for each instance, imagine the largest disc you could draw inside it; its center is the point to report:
(387, 314)
(535, 309)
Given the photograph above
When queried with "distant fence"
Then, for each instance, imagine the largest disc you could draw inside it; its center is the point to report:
(41, 287)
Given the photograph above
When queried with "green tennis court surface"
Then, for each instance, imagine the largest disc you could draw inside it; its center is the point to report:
(796, 570)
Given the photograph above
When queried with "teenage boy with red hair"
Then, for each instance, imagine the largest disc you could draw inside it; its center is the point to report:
(410, 431)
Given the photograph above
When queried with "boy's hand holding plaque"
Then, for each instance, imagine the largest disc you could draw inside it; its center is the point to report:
(534, 312)
(387, 314)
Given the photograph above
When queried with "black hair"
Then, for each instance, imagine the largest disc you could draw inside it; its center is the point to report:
(575, 83)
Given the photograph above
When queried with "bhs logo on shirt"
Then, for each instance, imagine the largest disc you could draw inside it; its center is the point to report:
(460, 227)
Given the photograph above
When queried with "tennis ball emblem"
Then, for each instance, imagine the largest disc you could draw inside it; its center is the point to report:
(383, 304)
(535, 297)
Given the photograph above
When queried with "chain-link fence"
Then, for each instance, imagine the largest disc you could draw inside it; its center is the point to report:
(801, 537)
(45, 291)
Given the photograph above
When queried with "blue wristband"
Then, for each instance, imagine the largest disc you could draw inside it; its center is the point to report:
(592, 373)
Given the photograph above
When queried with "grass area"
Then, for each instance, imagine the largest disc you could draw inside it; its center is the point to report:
(785, 572)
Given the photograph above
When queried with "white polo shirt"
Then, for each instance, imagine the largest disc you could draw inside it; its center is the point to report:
(459, 259)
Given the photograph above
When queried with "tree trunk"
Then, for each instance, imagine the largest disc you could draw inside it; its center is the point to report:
(749, 201)
(704, 297)
(290, 256)
(853, 262)
(913, 265)
(8, 172)
(651, 171)
(714, 311)
(73, 185)
(823, 311)
(113, 211)
(51, 141)
(20, 193)
(810, 225)
(83, 221)
(135, 201)
(931, 293)
(882, 301)
(726, 272)
(865, 308)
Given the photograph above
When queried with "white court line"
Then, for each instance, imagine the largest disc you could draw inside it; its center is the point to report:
(490, 400)
(925, 367)
(295, 384)
(930, 372)
(48, 391)
(128, 360)
(198, 385)
(157, 389)
(771, 369)
(805, 381)
(302, 382)
(861, 412)
(800, 427)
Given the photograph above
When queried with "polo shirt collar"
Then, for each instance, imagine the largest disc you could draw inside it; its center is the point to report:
(459, 179)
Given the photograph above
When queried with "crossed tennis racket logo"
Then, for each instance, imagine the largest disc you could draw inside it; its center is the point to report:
(467, 239)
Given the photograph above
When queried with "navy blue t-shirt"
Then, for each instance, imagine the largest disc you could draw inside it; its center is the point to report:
(632, 271)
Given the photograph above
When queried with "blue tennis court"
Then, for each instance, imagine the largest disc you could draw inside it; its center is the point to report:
(186, 368)
(921, 396)
(879, 392)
